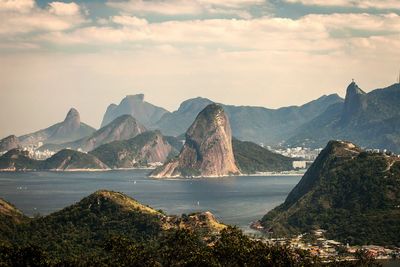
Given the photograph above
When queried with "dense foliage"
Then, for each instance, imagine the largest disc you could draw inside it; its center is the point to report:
(355, 196)
(252, 158)
(111, 229)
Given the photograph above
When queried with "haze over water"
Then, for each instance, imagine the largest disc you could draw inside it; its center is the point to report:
(233, 200)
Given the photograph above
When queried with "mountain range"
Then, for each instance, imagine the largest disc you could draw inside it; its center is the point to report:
(370, 119)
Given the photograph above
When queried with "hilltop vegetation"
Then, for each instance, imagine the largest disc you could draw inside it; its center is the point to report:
(110, 229)
(252, 158)
(66, 159)
(353, 194)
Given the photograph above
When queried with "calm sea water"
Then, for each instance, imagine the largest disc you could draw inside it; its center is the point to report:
(233, 200)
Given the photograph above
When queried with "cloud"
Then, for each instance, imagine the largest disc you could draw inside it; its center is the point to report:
(312, 33)
(64, 9)
(186, 7)
(22, 16)
(129, 21)
(16, 5)
(377, 4)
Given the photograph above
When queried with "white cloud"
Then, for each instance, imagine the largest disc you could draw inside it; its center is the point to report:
(23, 16)
(64, 9)
(378, 4)
(186, 7)
(312, 33)
(129, 21)
(16, 5)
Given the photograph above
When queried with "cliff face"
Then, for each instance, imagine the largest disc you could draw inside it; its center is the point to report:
(351, 193)
(208, 148)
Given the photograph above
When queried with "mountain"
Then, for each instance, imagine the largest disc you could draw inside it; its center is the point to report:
(134, 105)
(252, 158)
(70, 129)
(67, 159)
(207, 150)
(351, 193)
(122, 128)
(111, 229)
(8, 143)
(370, 119)
(178, 122)
(17, 160)
(142, 150)
(256, 124)
(84, 227)
(64, 160)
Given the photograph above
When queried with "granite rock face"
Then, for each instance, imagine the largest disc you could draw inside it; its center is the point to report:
(208, 148)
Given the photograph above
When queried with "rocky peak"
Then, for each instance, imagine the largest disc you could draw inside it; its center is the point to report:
(135, 98)
(208, 148)
(355, 102)
(73, 115)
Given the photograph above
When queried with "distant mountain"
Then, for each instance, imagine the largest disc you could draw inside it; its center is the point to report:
(207, 150)
(351, 193)
(122, 128)
(18, 160)
(178, 122)
(71, 160)
(369, 119)
(70, 129)
(251, 158)
(145, 148)
(256, 124)
(8, 143)
(64, 160)
(134, 105)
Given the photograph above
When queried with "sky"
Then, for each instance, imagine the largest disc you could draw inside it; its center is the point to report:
(87, 54)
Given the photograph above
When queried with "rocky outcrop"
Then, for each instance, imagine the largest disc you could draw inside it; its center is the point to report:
(8, 143)
(355, 102)
(134, 105)
(141, 151)
(208, 148)
(69, 130)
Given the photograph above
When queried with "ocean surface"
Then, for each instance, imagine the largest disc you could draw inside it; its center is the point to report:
(233, 200)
